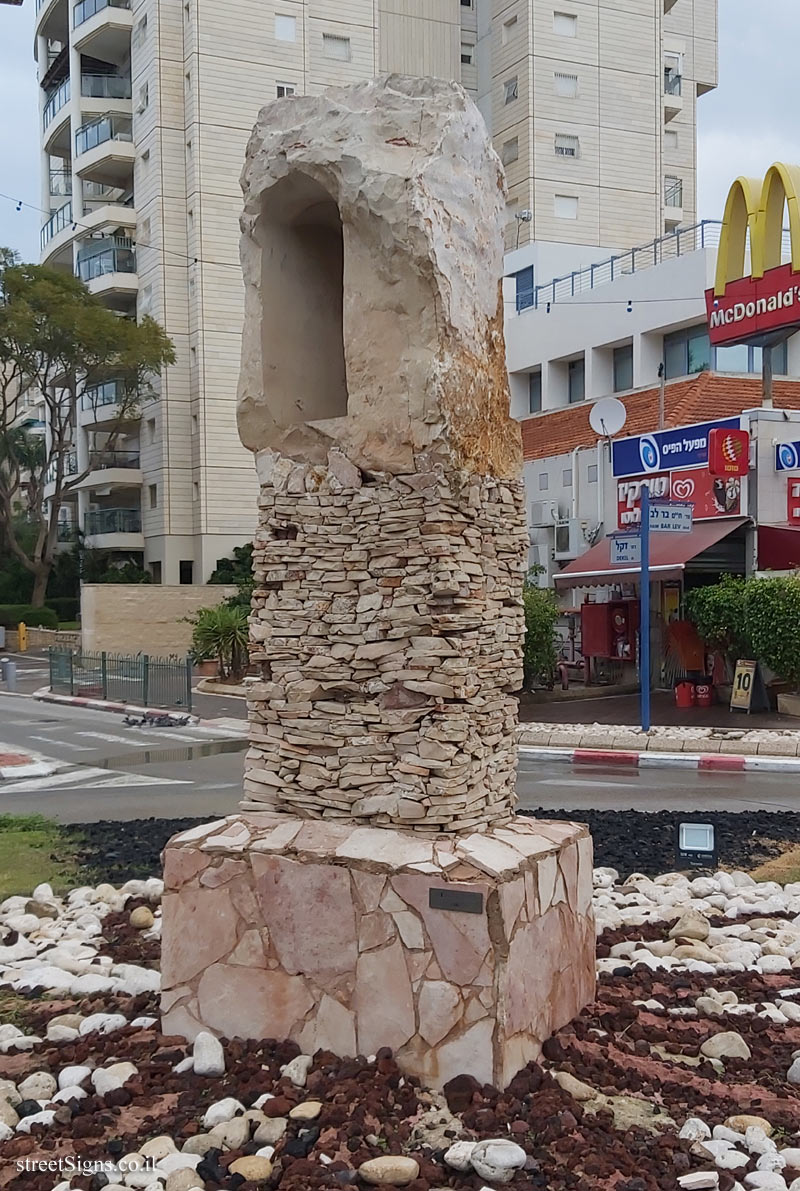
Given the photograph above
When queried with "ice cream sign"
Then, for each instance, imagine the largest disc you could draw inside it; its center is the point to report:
(710, 496)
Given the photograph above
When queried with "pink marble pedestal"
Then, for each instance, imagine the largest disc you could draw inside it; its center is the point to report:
(277, 927)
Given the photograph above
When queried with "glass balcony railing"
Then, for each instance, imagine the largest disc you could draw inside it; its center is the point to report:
(108, 459)
(107, 128)
(111, 255)
(67, 531)
(673, 83)
(55, 224)
(60, 183)
(673, 194)
(55, 102)
(113, 521)
(110, 392)
(87, 8)
(69, 468)
(105, 86)
(99, 190)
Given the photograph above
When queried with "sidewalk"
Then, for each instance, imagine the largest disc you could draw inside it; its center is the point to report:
(624, 709)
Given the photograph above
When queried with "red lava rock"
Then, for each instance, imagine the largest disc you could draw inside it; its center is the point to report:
(460, 1091)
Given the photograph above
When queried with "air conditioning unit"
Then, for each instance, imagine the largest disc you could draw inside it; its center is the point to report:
(543, 513)
(572, 538)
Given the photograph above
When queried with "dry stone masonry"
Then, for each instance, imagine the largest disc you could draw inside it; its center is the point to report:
(376, 888)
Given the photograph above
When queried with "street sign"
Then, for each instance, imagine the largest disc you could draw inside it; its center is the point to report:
(671, 515)
(626, 550)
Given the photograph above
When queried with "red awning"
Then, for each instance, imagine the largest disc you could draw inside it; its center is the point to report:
(669, 554)
(778, 547)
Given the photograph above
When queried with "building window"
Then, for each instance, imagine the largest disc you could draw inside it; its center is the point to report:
(534, 392)
(155, 571)
(565, 206)
(524, 280)
(509, 29)
(592, 473)
(576, 380)
(151, 429)
(140, 33)
(566, 477)
(285, 28)
(185, 571)
(195, 490)
(623, 368)
(544, 482)
(195, 426)
(565, 24)
(687, 352)
(467, 53)
(511, 90)
(673, 191)
(673, 71)
(567, 145)
(565, 85)
(670, 139)
(466, 3)
(510, 151)
(334, 46)
(143, 97)
(153, 494)
(284, 89)
(744, 358)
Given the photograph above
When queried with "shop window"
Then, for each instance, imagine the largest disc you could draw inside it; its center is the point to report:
(743, 358)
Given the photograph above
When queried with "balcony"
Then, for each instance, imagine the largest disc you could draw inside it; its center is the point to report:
(104, 150)
(110, 217)
(58, 221)
(673, 202)
(112, 469)
(673, 90)
(69, 467)
(52, 20)
(114, 529)
(107, 402)
(105, 86)
(108, 267)
(55, 121)
(102, 29)
(60, 183)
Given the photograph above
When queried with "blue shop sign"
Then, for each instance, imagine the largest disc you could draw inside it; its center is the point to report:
(787, 456)
(666, 450)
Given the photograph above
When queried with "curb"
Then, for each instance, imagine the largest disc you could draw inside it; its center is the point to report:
(708, 762)
(45, 695)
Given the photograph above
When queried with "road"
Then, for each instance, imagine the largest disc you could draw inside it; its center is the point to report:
(113, 772)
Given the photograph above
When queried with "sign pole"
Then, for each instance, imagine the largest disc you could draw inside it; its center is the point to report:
(644, 613)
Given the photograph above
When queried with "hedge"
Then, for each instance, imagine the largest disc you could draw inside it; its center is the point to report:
(12, 614)
(65, 607)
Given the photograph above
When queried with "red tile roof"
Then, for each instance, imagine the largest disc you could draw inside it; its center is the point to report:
(702, 398)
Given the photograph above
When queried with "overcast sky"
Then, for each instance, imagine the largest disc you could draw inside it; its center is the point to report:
(746, 124)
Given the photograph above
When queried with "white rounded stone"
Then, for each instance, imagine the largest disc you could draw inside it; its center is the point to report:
(40, 1085)
(207, 1055)
(220, 1111)
(498, 1159)
(459, 1156)
(69, 1076)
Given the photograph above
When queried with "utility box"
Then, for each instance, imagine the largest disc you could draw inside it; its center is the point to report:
(609, 630)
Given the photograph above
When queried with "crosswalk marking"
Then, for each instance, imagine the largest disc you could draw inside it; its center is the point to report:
(90, 778)
(67, 744)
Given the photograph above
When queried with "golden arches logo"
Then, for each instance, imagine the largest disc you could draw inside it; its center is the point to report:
(758, 207)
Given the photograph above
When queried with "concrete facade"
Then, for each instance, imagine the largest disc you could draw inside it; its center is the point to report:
(146, 110)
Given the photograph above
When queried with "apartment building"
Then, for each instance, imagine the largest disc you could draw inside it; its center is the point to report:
(146, 107)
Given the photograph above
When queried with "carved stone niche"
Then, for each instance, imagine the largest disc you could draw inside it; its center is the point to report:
(372, 257)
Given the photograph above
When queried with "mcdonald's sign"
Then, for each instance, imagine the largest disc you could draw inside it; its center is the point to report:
(749, 308)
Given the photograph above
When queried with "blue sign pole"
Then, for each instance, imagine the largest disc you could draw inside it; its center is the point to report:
(644, 614)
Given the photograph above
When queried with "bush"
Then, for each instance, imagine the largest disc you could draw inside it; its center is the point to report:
(539, 656)
(65, 607)
(12, 614)
(773, 621)
(719, 613)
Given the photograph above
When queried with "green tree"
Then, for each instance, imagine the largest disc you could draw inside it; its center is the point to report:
(239, 571)
(221, 633)
(719, 613)
(773, 622)
(541, 614)
(57, 343)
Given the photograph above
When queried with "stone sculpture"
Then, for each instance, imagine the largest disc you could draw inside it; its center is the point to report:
(375, 888)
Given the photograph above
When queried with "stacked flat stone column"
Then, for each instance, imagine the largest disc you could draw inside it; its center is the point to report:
(376, 888)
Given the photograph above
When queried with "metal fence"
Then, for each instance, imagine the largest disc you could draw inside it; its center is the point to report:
(141, 680)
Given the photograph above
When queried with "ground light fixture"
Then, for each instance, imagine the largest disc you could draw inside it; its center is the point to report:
(695, 845)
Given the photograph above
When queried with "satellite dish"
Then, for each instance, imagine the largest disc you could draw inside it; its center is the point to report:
(607, 416)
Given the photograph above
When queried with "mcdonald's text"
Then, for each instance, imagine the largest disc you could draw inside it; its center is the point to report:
(751, 307)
